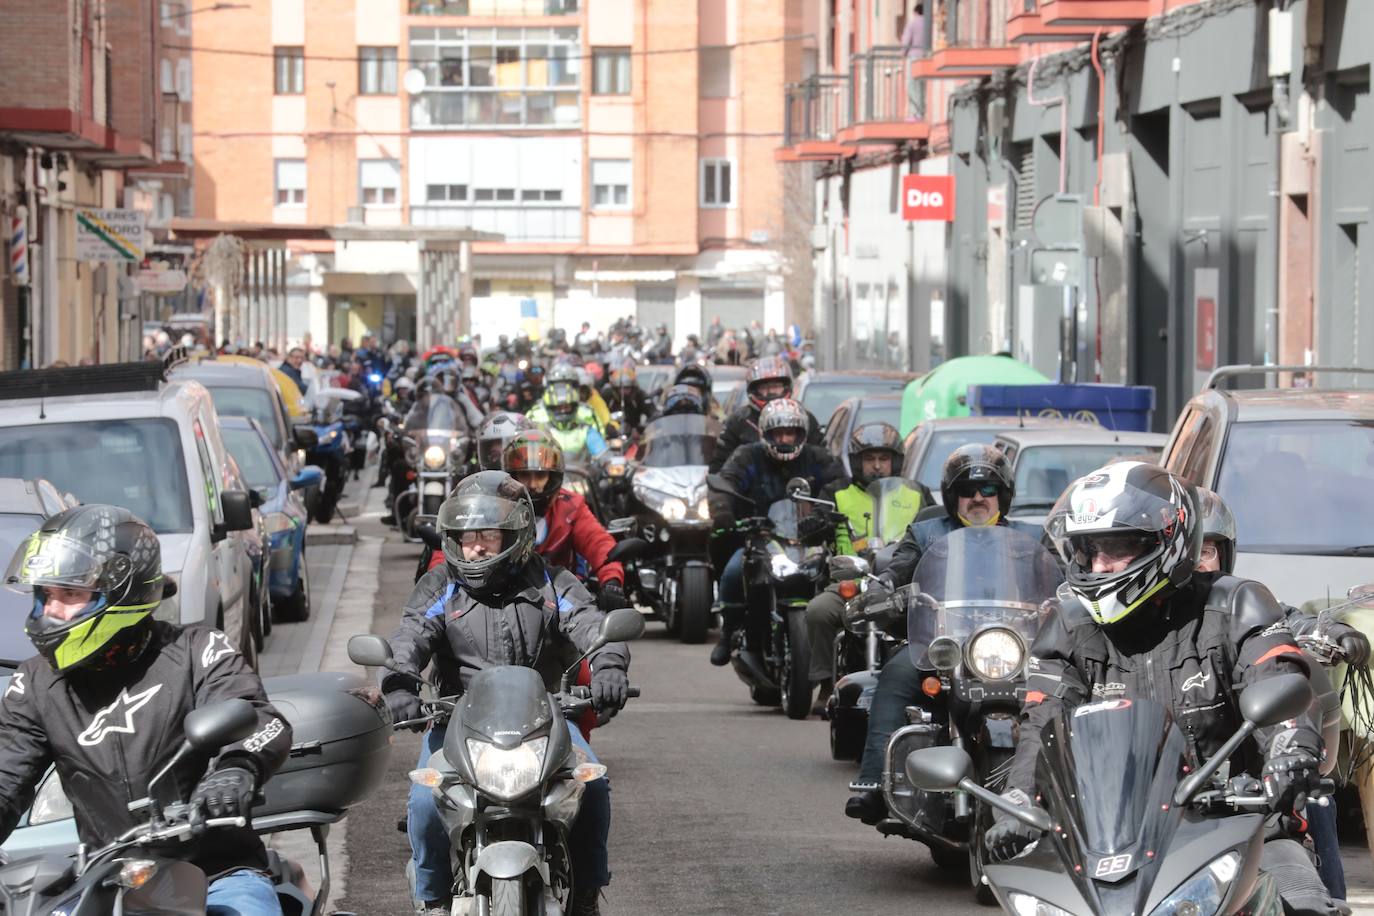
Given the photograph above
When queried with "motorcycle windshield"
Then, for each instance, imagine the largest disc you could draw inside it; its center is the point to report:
(503, 705)
(1110, 768)
(679, 440)
(783, 514)
(978, 577)
(896, 501)
(442, 418)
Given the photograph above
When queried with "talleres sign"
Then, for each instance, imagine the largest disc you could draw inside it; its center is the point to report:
(928, 197)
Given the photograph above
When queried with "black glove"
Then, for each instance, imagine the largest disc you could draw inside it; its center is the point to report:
(611, 596)
(814, 529)
(609, 689)
(1355, 647)
(1287, 780)
(1007, 838)
(223, 793)
(404, 706)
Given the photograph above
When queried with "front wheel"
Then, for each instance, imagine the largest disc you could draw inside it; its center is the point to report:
(795, 676)
(508, 897)
(694, 604)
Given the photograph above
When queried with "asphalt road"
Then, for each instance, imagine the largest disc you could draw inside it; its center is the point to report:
(719, 806)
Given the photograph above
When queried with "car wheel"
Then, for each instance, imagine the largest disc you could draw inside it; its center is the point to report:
(297, 607)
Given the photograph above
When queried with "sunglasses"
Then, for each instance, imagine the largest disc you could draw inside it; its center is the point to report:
(968, 490)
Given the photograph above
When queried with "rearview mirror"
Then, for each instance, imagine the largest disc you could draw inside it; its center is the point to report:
(255, 498)
(798, 486)
(622, 625)
(628, 549)
(210, 728)
(1363, 595)
(430, 536)
(305, 437)
(1276, 699)
(237, 507)
(369, 650)
(938, 769)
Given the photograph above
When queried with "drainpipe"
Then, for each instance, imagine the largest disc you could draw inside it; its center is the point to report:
(1283, 121)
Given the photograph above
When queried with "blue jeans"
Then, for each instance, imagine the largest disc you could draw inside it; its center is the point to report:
(242, 893)
(1321, 826)
(899, 686)
(429, 846)
(732, 580)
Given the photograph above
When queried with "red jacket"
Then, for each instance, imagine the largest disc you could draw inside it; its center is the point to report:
(574, 532)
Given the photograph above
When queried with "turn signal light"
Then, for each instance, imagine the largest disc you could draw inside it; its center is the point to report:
(136, 873)
(427, 776)
(586, 772)
(848, 589)
(931, 686)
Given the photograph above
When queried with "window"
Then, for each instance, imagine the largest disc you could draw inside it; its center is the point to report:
(611, 71)
(716, 73)
(445, 193)
(379, 182)
(376, 71)
(290, 176)
(184, 141)
(184, 80)
(290, 70)
(717, 183)
(610, 184)
(168, 81)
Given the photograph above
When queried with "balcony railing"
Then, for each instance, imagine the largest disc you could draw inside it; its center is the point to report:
(817, 110)
(969, 38)
(883, 88)
(519, 223)
(493, 8)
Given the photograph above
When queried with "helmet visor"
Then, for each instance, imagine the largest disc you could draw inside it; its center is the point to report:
(481, 511)
(1106, 514)
(53, 559)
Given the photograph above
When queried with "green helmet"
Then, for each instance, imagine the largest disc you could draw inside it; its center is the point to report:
(104, 550)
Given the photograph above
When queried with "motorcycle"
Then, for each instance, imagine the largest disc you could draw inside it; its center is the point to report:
(771, 652)
(438, 455)
(1128, 829)
(508, 782)
(972, 612)
(670, 512)
(333, 447)
(867, 639)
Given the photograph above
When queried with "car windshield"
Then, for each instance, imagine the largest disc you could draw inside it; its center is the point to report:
(1301, 486)
(822, 397)
(14, 607)
(872, 410)
(941, 445)
(1044, 471)
(254, 403)
(253, 458)
(136, 464)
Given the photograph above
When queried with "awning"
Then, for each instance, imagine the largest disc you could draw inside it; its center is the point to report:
(343, 283)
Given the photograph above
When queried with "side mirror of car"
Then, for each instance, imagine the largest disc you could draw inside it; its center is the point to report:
(255, 498)
(309, 476)
(237, 506)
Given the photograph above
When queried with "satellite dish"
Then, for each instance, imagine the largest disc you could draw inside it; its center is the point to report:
(414, 81)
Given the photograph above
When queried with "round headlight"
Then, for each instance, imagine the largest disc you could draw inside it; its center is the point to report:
(944, 653)
(435, 456)
(996, 654)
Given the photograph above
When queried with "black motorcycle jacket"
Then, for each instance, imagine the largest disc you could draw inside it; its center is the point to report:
(543, 619)
(109, 732)
(755, 474)
(1212, 638)
(632, 402)
(742, 428)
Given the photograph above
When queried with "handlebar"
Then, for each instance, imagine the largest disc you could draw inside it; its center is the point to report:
(175, 826)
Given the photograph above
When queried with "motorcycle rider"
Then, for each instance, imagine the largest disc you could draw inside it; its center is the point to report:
(698, 377)
(496, 430)
(105, 697)
(768, 379)
(976, 489)
(567, 533)
(1136, 620)
(760, 471)
(586, 390)
(572, 422)
(623, 395)
(682, 399)
(875, 452)
(661, 350)
(495, 602)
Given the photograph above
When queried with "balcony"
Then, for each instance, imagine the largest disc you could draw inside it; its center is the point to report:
(1094, 13)
(495, 9)
(972, 42)
(880, 109)
(816, 111)
(1027, 26)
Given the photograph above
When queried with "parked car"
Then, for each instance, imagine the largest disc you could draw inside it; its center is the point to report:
(1045, 461)
(283, 512)
(123, 434)
(244, 387)
(822, 391)
(653, 379)
(1296, 466)
(855, 412)
(928, 445)
(725, 381)
(24, 504)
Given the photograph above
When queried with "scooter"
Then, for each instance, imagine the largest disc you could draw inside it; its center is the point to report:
(508, 782)
(333, 447)
(1127, 828)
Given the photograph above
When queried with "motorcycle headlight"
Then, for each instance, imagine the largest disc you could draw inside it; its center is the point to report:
(783, 565)
(507, 774)
(330, 436)
(51, 802)
(673, 510)
(996, 654)
(1026, 905)
(435, 456)
(1202, 894)
(704, 508)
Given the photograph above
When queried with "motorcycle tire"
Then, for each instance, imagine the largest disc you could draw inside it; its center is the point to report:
(693, 612)
(795, 677)
(507, 897)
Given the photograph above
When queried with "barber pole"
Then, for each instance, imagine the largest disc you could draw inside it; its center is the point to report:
(19, 251)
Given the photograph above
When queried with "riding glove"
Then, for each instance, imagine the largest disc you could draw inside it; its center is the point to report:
(1287, 780)
(609, 688)
(223, 793)
(1007, 838)
(814, 530)
(404, 706)
(611, 596)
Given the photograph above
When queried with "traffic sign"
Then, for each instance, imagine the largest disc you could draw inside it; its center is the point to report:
(110, 235)
(928, 197)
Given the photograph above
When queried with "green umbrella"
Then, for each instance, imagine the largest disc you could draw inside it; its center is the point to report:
(942, 391)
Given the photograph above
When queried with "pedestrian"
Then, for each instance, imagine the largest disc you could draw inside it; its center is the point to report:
(291, 367)
(913, 47)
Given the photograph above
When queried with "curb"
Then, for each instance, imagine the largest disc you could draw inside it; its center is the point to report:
(330, 534)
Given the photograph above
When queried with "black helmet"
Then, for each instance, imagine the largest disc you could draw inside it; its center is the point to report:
(976, 463)
(695, 375)
(106, 550)
(683, 399)
(496, 430)
(768, 369)
(1219, 525)
(779, 414)
(536, 450)
(484, 501)
(873, 437)
(1129, 509)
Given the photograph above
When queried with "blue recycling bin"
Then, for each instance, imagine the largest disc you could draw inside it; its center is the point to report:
(1124, 407)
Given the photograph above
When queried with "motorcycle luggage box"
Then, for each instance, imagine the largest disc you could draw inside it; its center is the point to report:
(340, 743)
